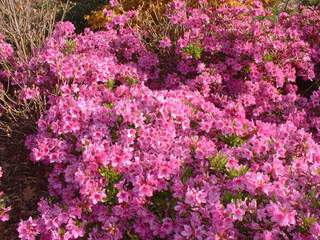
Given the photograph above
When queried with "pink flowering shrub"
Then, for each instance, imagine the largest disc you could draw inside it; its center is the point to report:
(218, 145)
(157, 164)
(242, 53)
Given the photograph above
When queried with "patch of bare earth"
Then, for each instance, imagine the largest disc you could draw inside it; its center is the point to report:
(24, 182)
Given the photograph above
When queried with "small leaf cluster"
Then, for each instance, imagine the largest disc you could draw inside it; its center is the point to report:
(112, 178)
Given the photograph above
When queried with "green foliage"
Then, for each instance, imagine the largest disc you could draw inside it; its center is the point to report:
(131, 81)
(187, 173)
(3, 202)
(193, 49)
(114, 134)
(162, 204)
(112, 177)
(109, 174)
(229, 197)
(62, 231)
(108, 105)
(130, 236)
(110, 84)
(313, 197)
(307, 222)
(70, 46)
(243, 227)
(232, 140)
(268, 57)
(310, 2)
(233, 173)
(52, 199)
(273, 17)
(246, 69)
(194, 124)
(78, 222)
(119, 120)
(218, 163)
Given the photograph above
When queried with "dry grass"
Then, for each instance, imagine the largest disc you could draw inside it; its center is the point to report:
(153, 25)
(27, 23)
(18, 117)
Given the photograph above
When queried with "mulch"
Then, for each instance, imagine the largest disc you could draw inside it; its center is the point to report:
(23, 182)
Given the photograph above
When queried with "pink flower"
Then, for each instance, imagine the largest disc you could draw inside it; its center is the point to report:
(267, 235)
(236, 212)
(165, 43)
(282, 216)
(145, 190)
(123, 197)
(164, 172)
(6, 50)
(4, 212)
(28, 229)
(315, 229)
(97, 197)
(195, 197)
(29, 93)
(187, 231)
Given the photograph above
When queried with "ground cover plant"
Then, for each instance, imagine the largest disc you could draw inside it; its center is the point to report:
(181, 120)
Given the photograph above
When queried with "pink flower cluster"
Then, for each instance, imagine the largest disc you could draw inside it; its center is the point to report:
(220, 144)
(6, 50)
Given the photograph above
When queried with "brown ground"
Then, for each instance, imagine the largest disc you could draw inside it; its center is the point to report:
(23, 182)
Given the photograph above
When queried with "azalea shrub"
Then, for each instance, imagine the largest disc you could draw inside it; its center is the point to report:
(97, 18)
(206, 136)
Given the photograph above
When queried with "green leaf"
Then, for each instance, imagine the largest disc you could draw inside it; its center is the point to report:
(114, 134)
(234, 173)
(232, 140)
(268, 57)
(311, 2)
(131, 236)
(229, 197)
(112, 177)
(313, 197)
(62, 231)
(307, 222)
(218, 162)
(246, 69)
(4, 202)
(132, 81)
(162, 204)
(187, 173)
(70, 46)
(109, 174)
(193, 49)
(194, 124)
(110, 84)
(108, 105)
